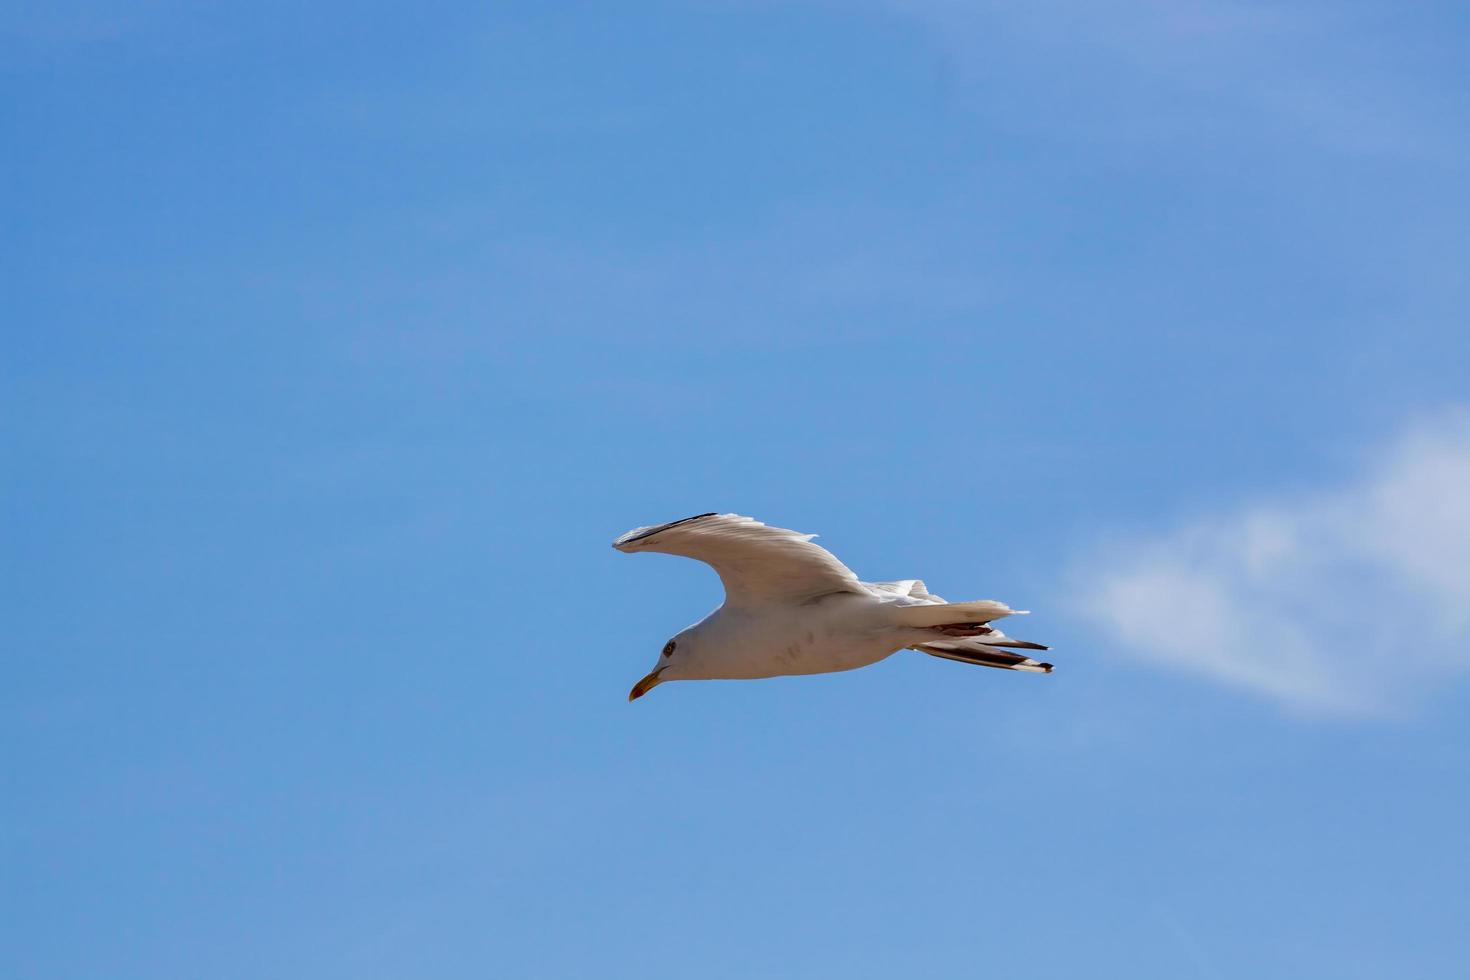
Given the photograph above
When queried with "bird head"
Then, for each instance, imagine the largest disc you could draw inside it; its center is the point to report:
(670, 659)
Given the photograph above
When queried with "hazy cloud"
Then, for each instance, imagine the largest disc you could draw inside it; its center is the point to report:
(1151, 70)
(1354, 599)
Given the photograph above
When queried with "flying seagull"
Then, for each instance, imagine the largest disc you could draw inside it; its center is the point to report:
(792, 608)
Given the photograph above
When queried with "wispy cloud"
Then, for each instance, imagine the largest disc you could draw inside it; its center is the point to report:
(1153, 72)
(1351, 600)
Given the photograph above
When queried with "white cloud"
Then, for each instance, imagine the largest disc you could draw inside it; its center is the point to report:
(1349, 600)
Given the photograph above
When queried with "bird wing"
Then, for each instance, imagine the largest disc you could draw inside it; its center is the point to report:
(756, 562)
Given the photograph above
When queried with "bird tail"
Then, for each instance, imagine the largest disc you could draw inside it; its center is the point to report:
(988, 654)
(951, 613)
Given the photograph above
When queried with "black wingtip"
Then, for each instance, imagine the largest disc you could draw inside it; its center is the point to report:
(1010, 644)
(664, 527)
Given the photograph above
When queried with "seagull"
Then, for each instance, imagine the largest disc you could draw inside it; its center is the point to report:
(792, 608)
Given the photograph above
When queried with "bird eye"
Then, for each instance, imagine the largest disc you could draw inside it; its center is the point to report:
(669, 648)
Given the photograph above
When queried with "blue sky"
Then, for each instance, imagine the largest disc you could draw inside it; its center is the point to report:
(342, 340)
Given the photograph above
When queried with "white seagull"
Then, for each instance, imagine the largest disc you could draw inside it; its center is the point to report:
(792, 608)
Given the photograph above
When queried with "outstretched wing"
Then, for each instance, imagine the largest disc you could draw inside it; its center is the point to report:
(757, 563)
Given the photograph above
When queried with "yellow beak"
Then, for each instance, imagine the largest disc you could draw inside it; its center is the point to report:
(644, 686)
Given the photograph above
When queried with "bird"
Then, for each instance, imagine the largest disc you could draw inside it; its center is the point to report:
(791, 607)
